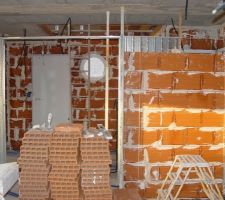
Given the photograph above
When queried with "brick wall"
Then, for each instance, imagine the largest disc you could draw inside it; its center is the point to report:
(174, 104)
(19, 80)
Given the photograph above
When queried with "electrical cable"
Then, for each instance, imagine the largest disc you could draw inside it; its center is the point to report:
(64, 27)
(186, 9)
(23, 54)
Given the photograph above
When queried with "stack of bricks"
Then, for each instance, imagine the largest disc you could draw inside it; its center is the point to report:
(64, 157)
(34, 166)
(95, 168)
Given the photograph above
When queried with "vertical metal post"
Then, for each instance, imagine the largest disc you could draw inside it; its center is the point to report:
(2, 103)
(121, 103)
(107, 74)
(89, 78)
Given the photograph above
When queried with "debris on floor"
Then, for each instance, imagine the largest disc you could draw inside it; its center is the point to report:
(126, 194)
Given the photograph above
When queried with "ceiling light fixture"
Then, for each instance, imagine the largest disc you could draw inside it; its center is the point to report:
(219, 6)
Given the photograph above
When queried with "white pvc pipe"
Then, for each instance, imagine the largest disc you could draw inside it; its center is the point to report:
(121, 103)
(2, 103)
(63, 37)
(107, 74)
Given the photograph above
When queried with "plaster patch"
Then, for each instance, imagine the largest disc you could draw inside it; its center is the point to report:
(131, 62)
(216, 147)
(210, 129)
(191, 146)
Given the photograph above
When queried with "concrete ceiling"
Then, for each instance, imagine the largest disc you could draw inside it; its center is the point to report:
(15, 15)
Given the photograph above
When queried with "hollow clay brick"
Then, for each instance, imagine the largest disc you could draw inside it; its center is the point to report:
(172, 62)
(185, 81)
(197, 137)
(160, 81)
(134, 172)
(213, 82)
(213, 119)
(133, 155)
(160, 155)
(187, 119)
(133, 80)
(173, 137)
(145, 61)
(201, 62)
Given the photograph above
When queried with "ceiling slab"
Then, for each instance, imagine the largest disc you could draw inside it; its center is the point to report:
(18, 14)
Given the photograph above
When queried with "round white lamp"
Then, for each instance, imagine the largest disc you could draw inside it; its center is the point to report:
(97, 67)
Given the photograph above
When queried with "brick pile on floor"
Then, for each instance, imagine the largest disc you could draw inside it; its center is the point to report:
(95, 169)
(64, 157)
(34, 165)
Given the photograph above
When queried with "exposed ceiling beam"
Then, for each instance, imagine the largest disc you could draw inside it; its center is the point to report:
(46, 29)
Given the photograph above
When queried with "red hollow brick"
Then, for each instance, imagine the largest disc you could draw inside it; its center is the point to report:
(142, 137)
(172, 61)
(56, 50)
(205, 44)
(151, 191)
(187, 119)
(174, 137)
(190, 191)
(219, 100)
(173, 100)
(197, 137)
(13, 114)
(163, 170)
(154, 119)
(15, 51)
(218, 136)
(212, 155)
(213, 119)
(132, 118)
(160, 81)
(218, 171)
(133, 155)
(199, 100)
(220, 44)
(12, 82)
(149, 99)
(79, 103)
(16, 123)
(15, 144)
(134, 172)
(213, 82)
(16, 103)
(25, 82)
(97, 103)
(24, 114)
(15, 72)
(187, 151)
(146, 61)
(186, 81)
(220, 62)
(160, 119)
(159, 155)
(133, 80)
(12, 61)
(201, 62)
(113, 83)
